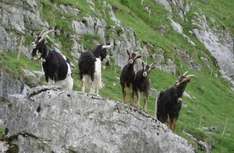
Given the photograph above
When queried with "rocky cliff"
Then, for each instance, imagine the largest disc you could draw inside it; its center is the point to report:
(52, 120)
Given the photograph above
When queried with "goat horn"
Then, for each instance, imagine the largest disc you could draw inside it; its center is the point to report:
(40, 34)
(185, 73)
(152, 64)
(45, 34)
(107, 46)
(191, 75)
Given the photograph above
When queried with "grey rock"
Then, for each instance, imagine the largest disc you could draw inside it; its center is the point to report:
(186, 58)
(218, 43)
(52, 120)
(168, 66)
(17, 19)
(1, 123)
(66, 9)
(9, 85)
(90, 25)
(33, 78)
(182, 7)
(3, 146)
(6, 41)
(179, 29)
(165, 3)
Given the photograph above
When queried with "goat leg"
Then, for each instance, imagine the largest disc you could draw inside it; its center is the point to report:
(124, 94)
(97, 90)
(134, 98)
(145, 102)
(169, 122)
(92, 88)
(173, 124)
(138, 99)
(83, 85)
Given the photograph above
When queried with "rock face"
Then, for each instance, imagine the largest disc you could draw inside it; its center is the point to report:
(219, 43)
(9, 85)
(50, 120)
(18, 18)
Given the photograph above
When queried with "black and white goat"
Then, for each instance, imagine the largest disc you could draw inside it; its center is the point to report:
(128, 74)
(90, 68)
(141, 84)
(170, 101)
(55, 65)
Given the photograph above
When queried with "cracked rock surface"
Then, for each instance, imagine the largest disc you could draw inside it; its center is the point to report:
(51, 120)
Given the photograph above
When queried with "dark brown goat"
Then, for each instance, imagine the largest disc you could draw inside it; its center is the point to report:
(127, 75)
(170, 101)
(141, 85)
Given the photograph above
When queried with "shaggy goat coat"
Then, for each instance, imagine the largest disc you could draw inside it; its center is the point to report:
(168, 105)
(90, 68)
(169, 102)
(55, 65)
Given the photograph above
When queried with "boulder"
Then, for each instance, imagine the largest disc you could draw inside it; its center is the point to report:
(10, 85)
(52, 120)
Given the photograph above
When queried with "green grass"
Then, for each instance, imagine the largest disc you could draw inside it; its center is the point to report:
(11, 63)
(211, 107)
(2, 132)
(82, 5)
(88, 41)
(221, 11)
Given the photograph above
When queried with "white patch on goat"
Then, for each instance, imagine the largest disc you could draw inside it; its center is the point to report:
(86, 82)
(130, 61)
(58, 51)
(97, 83)
(67, 83)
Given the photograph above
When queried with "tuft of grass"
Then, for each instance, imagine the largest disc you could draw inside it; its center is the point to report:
(2, 133)
(88, 40)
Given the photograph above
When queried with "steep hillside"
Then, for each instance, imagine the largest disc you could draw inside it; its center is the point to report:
(178, 35)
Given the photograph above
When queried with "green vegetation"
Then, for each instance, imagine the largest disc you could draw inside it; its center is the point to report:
(87, 40)
(14, 63)
(2, 131)
(212, 99)
(218, 11)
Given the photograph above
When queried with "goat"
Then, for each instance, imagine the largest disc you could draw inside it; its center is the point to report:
(141, 84)
(90, 68)
(55, 65)
(128, 74)
(169, 101)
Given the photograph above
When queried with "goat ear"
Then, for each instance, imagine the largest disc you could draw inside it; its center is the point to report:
(143, 65)
(152, 66)
(139, 56)
(185, 73)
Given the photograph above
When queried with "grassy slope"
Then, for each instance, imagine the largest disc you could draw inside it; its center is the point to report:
(14, 64)
(213, 100)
